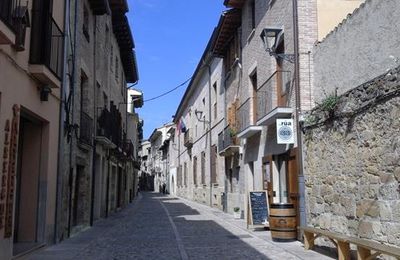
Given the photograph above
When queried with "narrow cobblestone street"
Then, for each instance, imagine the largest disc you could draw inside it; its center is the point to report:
(160, 227)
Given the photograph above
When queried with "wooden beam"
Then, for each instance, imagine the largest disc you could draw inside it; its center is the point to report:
(308, 240)
(363, 253)
(343, 250)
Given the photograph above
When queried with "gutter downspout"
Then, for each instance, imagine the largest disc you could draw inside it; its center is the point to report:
(93, 184)
(108, 181)
(301, 184)
(61, 123)
(209, 125)
(71, 169)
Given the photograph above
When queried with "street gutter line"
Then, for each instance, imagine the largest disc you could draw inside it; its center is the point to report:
(178, 238)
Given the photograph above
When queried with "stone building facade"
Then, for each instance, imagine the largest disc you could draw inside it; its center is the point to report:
(352, 138)
(98, 174)
(31, 73)
(158, 158)
(199, 119)
(146, 181)
(352, 162)
(256, 89)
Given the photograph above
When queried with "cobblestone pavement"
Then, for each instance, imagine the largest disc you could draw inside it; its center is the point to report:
(161, 227)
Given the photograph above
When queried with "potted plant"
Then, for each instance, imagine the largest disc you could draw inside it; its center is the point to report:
(236, 212)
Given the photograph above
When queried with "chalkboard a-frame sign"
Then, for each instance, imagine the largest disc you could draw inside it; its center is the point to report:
(258, 209)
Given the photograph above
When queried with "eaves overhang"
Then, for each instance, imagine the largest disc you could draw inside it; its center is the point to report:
(156, 133)
(100, 7)
(234, 3)
(123, 34)
(118, 6)
(228, 24)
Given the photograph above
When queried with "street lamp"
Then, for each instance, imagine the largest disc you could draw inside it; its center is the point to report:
(271, 38)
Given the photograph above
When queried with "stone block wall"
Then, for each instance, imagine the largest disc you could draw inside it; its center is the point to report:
(352, 162)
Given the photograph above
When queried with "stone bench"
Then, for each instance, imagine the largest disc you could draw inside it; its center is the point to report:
(342, 243)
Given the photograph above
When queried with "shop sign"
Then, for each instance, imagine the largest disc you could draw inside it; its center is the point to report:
(284, 131)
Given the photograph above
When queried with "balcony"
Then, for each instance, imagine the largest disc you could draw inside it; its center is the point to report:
(46, 54)
(109, 128)
(246, 119)
(271, 98)
(228, 143)
(7, 30)
(86, 129)
(187, 139)
(128, 148)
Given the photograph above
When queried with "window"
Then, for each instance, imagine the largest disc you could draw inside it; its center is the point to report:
(253, 14)
(84, 93)
(214, 164)
(203, 168)
(185, 174)
(112, 58)
(195, 170)
(85, 25)
(253, 81)
(107, 36)
(105, 100)
(116, 69)
(232, 53)
(180, 176)
(215, 102)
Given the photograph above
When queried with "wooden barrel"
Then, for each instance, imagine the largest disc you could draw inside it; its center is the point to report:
(282, 222)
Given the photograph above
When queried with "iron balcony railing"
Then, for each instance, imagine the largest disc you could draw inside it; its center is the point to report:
(128, 148)
(187, 139)
(221, 141)
(46, 43)
(267, 94)
(86, 129)
(109, 125)
(227, 138)
(7, 8)
(245, 114)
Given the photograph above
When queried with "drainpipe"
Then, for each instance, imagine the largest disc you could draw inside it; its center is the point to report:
(93, 184)
(61, 124)
(108, 181)
(209, 126)
(301, 184)
(72, 93)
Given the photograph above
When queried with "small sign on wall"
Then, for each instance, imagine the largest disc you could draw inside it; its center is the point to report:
(284, 131)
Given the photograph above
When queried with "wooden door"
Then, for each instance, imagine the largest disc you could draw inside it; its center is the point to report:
(293, 189)
(267, 180)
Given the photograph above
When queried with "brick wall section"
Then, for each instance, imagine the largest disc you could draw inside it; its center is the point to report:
(308, 34)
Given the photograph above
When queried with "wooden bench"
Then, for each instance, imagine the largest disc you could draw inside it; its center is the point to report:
(342, 243)
(364, 248)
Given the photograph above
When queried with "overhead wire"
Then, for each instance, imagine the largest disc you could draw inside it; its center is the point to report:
(169, 91)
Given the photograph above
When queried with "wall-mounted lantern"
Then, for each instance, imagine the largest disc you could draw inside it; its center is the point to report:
(271, 38)
(44, 93)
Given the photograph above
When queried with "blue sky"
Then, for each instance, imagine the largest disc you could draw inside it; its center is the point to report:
(170, 37)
